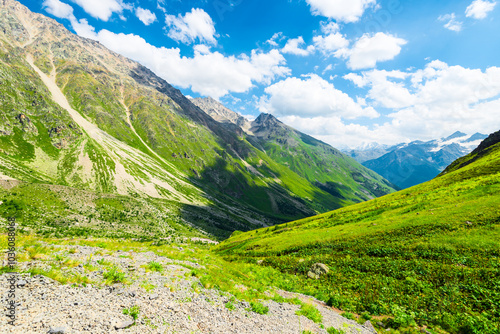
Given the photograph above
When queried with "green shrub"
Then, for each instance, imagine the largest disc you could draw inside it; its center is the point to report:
(310, 312)
(155, 266)
(332, 330)
(259, 308)
(133, 312)
(348, 315)
(114, 275)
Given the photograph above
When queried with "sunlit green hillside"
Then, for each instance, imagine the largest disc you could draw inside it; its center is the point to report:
(428, 255)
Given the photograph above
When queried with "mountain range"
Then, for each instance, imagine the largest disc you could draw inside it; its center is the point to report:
(408, 164)
(79, 116)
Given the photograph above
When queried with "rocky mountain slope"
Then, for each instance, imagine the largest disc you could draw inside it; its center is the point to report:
(102, 289)
(75, 114)
(406, 165)
(319, 163)
(221, 114)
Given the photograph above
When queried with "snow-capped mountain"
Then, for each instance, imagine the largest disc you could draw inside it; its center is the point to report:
(408, 164)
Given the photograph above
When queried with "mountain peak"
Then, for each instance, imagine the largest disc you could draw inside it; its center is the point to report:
(457, 134)
(221, 113)
(265, 118)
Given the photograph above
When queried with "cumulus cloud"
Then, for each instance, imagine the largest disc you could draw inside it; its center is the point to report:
(330, 44)
(102, 9)
(294, 46)
(207, 73)
(341, 10)
(423, 104)
(58, 9)
(145, 15)
(277, 37)
(194, 25)
(371, 49)
(479, 9)
(451, 22)
(310, 96)
(430, 102)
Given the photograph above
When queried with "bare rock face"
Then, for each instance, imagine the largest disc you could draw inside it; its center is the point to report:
(221, 114)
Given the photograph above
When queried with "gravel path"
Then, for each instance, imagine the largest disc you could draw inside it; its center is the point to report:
(169, 302)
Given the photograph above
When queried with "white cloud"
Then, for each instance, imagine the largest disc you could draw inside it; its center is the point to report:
(370, 49)
(341, 10)
(206, 73)
(83, 28)
(58, 9)
(329, 67)
(273, 41)
(311, 96)
(329, 27)
(102, 9)
(385, 92)
(294, 46)
(451, 22)
(331, 43)
(479, 9)
(425, 104)
(145, 15)
(331, 40)
(431, 102)
(194, 25)
(202, 49)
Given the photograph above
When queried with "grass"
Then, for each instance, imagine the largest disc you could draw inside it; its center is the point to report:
(310, 312)
(132, 311)
(425, 256)
(229, 305)
(114, 275)
(332, 330)
(259, 308)
(155, 266)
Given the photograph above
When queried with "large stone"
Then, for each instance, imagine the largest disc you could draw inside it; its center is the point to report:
(58, 330)
(368, 325)
(124, 324)
(312, 275)
(319, 269)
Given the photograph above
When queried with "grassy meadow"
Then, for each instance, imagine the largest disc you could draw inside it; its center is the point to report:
(426, 256)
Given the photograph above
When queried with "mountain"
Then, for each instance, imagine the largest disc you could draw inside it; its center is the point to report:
(319, 163)
(403, 256)
(78, 121)
(367, 152)
(406, 165)
(221, 114)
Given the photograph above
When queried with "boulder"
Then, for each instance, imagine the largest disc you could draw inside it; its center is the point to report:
(124, 324)
(319, 269)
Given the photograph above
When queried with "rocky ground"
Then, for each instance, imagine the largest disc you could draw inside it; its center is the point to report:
(170, 301)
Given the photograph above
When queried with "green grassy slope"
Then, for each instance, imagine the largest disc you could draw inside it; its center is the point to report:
(324, 166)
(157, 141)
(428, 255)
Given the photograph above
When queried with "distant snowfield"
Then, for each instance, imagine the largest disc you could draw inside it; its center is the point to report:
(462, 141)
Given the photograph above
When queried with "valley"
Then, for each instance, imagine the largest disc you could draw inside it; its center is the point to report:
(136, 208)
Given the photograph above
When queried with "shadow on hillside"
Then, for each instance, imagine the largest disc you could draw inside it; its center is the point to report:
(241, 201)
(243, 204)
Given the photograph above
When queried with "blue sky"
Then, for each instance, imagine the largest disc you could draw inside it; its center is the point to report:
(348, 72)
